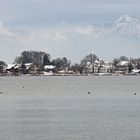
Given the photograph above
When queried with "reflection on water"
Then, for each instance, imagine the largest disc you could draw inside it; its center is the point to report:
(32, 115)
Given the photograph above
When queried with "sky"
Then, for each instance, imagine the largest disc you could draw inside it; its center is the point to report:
(70, 28)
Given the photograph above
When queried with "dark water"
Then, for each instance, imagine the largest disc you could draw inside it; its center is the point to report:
(60, 108)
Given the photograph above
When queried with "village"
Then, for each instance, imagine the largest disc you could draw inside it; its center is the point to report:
(98, 68)
(36, 63)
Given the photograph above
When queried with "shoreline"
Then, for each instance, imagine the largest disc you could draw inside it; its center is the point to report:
(95, 74)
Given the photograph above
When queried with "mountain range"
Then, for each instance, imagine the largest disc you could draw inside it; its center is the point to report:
(126, 26)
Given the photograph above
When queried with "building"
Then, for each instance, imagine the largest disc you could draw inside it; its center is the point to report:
(122, 67)
(49, 70)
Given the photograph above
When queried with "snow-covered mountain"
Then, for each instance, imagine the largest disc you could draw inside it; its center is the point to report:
(127, 26)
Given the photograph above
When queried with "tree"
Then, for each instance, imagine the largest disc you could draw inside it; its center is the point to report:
(138, 65)
(130, 68)
(65, 62)
(99, 68)
(117, 60)
(23, 69)
(89, 58)
(76, 68)
(61, 63)
(18, 60)
(2, 65)
(123, 58)
(36, 57)
(57, 62)
(46, 60)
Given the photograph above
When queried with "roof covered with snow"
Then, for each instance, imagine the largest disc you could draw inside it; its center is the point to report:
(49, 67)
(136, 70)
(9, 66)
(123, 63)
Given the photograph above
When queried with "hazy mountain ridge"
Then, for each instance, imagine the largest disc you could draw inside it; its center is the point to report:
(126, 26)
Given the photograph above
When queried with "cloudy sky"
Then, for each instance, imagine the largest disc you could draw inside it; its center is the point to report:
(71, 28)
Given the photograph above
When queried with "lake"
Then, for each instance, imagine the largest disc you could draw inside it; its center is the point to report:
(70, 108)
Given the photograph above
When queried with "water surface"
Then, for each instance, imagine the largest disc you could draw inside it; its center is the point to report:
(60, 108)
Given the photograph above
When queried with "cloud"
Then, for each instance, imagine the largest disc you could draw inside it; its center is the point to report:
(29, 37)
(72, 42)
(94, 30)
(7, 36)
(57, 36)
(124, 25)
(89, 30)
(4, 33)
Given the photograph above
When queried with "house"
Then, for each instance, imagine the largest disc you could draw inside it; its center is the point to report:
(28, 65)
(12, 69)
(106, 67)
(98, 67)
(88, 68)
(49, 70)
(122, 67)
(31, 68)
(135, 71)
(49, 67)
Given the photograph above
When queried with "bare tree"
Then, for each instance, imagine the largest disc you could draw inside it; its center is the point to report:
(61, 63)
(89, 58)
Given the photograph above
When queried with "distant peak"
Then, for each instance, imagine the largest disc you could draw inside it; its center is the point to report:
(127, 26)
(126, 19)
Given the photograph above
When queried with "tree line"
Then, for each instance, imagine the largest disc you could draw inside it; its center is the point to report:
(40, 59)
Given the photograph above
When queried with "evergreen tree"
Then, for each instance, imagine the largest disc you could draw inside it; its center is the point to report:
(46, 60)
